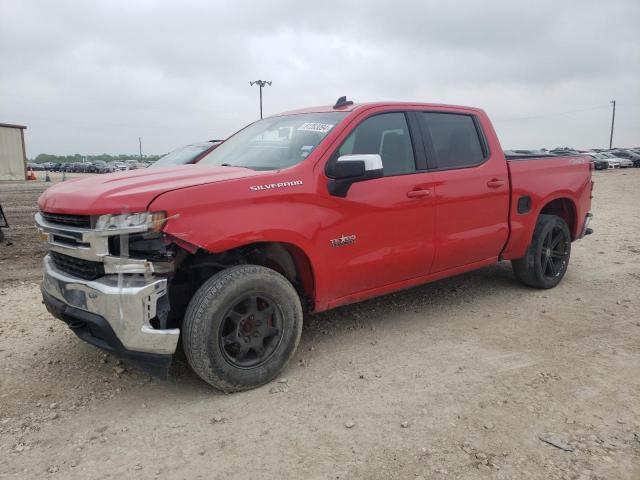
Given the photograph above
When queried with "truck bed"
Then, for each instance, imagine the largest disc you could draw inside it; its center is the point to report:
(536, 181)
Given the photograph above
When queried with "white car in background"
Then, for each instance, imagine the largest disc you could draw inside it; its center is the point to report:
(624, 162)
(614, 162)
(118, 166)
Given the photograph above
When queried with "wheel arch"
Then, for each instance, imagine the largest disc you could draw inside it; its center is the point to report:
(194, 266)
(562, 204)
(565, 208)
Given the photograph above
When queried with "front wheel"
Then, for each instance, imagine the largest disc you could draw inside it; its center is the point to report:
(547, 258)
(241, 327)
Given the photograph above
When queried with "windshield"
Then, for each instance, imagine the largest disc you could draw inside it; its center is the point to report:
(275, 142)
(182, 155)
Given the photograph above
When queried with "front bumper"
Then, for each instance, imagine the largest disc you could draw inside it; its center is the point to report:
(113, 312)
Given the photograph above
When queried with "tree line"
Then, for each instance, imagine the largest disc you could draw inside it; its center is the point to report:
(46, 157)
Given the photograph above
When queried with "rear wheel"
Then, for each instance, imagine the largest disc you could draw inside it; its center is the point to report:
(242, 327)
(547, 258)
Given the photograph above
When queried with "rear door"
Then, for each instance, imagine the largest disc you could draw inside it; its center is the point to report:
(382, 231)
(471, 187)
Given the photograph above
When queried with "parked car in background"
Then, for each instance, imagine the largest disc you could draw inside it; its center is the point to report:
(118, 166)
(100, 166)
(131, 164)
(614, 162)
(565, 151)
(600, 161)
(629, 155)
(186, 155)
(625, 162)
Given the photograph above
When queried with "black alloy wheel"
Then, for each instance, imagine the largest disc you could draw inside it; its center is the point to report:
(242, 327)
(554, 254)
(547, 258)
(251, 331)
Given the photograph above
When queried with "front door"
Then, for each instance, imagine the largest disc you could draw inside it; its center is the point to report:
(383, 231)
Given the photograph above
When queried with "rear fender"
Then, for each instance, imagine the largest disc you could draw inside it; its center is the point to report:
(523, 225)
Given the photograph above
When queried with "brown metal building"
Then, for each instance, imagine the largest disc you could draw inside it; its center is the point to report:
(13, 156)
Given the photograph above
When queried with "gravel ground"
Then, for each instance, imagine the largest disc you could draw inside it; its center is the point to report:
(470, 377)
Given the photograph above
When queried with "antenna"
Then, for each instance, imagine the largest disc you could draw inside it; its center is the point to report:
(342, 102)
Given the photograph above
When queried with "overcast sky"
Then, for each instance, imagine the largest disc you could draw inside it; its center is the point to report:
(91, 77)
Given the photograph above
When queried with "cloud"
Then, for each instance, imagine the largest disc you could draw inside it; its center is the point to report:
(90, 77)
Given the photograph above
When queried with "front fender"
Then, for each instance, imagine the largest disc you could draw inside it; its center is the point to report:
(221, 217)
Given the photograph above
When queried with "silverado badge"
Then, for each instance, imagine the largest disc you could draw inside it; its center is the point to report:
(269, 186)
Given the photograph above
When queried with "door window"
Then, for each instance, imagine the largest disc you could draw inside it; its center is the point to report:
(455, 140)
(386, 134)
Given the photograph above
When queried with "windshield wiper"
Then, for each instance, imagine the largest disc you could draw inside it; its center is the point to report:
(237, 166)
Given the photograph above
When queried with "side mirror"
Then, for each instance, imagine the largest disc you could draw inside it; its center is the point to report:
(349, 169)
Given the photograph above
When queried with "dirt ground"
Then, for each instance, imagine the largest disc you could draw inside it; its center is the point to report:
(457, 379)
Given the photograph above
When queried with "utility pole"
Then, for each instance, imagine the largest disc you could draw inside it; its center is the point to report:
(140, 145)
(613, 120)
(261, 84)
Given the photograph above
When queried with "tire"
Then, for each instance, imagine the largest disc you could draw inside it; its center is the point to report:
(242, 327)
(545, 264)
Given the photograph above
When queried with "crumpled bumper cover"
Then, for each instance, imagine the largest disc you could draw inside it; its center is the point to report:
(95, 330)
(113, 316)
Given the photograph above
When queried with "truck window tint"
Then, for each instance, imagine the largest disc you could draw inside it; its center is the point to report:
(386, 134)
(455, 139)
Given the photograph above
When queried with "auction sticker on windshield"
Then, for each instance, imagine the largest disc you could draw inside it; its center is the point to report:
(315, 127)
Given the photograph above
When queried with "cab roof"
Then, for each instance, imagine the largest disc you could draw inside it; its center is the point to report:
(352, 107)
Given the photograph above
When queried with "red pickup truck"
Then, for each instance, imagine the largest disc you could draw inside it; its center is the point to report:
(302, 211)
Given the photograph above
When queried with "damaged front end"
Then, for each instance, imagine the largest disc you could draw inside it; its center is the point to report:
(107, 277)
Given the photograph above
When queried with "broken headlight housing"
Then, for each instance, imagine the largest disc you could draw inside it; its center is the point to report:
(153, 221)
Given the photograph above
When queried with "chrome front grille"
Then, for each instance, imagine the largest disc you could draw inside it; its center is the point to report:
(88, 248)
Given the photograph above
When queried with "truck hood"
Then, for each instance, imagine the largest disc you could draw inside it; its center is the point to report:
(132, 190)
